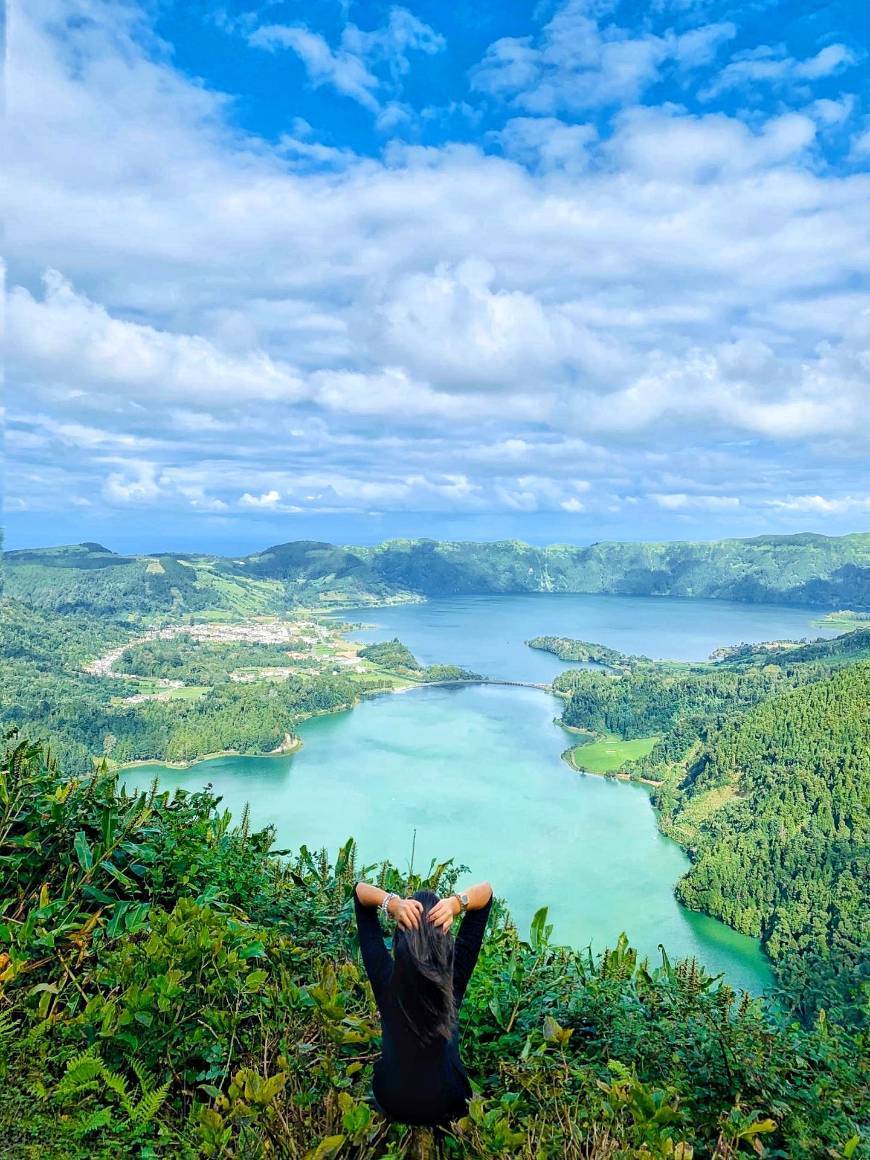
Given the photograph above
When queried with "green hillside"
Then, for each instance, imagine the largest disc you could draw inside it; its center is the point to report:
(90, 579)
(170, 988)
(849, 646)
(765, 765)
(310, 571)
(801, 569)
(787, 857)
(808, 569)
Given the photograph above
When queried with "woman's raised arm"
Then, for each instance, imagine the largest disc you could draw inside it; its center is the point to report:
(446, 909)
(406, 911)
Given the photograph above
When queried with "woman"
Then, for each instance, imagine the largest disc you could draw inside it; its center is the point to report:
(419, 1078)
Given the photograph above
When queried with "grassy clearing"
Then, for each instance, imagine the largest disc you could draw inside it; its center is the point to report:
(699, 809)
(150, 688)
(610, 754)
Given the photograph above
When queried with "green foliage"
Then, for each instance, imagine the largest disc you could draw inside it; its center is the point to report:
(679, 703)
(398, 659)
(845, 649)
(46, 690)
(43, 685)
(200, 662)
(801, 569)
(88, 579)
(171, 987)
(395, 657)
(87, 1081)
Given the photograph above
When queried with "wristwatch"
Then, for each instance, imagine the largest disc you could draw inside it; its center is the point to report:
(463, 901)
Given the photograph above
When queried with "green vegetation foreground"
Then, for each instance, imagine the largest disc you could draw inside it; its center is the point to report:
(170, 987)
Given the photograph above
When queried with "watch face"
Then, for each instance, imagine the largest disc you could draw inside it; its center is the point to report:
(463, 898)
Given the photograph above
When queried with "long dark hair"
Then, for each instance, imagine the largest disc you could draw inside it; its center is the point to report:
(423, 975)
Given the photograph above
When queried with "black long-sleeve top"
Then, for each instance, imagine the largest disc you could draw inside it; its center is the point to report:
(413, 1082)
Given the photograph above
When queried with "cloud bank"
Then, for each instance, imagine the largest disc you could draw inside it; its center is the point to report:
(613, 301)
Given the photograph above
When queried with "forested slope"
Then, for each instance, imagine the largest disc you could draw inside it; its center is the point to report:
(801, 569)
(765, 765)
(788, 858)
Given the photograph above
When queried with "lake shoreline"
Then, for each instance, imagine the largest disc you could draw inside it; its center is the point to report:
(286, 750)
(283, 750)
(568, 758)
(506, 741)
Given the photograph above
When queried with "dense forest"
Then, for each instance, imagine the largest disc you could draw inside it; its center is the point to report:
(170, 988)
(765, 763)
(90, 579)
(829, 572)
(803, 569)
(226, 704)
(787, 857)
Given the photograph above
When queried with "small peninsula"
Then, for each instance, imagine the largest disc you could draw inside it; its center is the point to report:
(584, 652)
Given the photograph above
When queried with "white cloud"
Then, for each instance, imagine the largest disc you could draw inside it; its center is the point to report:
(268, 499)
(458, 328)
(66, 338)
(403, 34)
(819, 505)
(577, 64)
(136, 484)
(547, 143)
(348, 68)
(670, 145)
(346, 72)
(679, 501)
(772, 66)
(438, 328)
(829, 112)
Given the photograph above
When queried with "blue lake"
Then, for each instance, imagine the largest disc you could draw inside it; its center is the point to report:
(474, 773)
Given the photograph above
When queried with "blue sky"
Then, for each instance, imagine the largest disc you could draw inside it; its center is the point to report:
(336, 270)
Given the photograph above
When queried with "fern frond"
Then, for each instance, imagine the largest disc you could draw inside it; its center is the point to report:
(101, 1118)
(146, 1080)
(6, 1027)
(115, 1083)
(149, 1105)
(81, 1071)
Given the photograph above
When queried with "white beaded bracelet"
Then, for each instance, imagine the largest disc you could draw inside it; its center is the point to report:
(385, 904)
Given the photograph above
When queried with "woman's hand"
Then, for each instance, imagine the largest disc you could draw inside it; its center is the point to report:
(407, 912)
(444, 911)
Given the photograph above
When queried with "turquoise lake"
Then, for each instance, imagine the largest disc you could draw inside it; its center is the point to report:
(476, 771)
